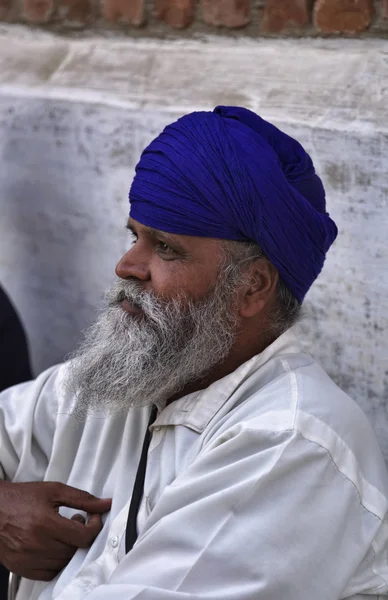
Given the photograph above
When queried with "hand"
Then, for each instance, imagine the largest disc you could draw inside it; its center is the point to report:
(36, 542)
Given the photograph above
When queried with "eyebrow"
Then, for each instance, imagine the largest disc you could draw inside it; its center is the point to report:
(156, 233)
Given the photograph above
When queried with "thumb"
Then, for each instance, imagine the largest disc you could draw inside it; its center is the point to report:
(66, 495)
(79, 518)
(94, 522)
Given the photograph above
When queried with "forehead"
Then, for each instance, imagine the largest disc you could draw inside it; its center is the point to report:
(187, 241)
(139, 228)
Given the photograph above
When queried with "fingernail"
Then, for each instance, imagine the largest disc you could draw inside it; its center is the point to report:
(79, 518)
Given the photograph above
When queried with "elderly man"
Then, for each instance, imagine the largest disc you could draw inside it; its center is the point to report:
(237, 469)
(15, 368)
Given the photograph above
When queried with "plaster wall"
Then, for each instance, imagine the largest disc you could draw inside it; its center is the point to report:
(74, 117)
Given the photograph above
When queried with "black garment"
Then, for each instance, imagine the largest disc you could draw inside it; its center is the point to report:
(14, 368)
(14, 360)
(138, 488)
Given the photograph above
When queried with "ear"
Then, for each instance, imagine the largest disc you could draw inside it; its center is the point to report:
(261, 289)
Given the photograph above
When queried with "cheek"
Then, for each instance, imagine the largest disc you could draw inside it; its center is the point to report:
(172, 278)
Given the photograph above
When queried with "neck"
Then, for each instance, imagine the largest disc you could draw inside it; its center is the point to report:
(242, 350)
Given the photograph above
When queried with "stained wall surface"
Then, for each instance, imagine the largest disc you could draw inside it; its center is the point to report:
(74, 117)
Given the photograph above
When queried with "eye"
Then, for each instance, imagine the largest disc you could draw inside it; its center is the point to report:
(164, 248)
(134, 236)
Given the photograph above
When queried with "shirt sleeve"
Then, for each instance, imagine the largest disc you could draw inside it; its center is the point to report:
(27, 427)
(257, 515)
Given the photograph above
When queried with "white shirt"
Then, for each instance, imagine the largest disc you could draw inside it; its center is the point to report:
(267, 485)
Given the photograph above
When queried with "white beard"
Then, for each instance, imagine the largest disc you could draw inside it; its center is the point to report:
(126, 361)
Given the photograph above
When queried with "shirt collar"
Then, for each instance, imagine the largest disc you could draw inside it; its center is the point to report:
(197, 409)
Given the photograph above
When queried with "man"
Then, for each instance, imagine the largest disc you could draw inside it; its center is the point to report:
(258, 477)
(15, 368)
(13, 346)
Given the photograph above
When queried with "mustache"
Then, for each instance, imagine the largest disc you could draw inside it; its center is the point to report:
(131, 291)
(154, 308)
(147, 301)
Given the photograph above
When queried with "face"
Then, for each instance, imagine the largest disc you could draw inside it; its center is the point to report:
(169, 265)
(170, 319)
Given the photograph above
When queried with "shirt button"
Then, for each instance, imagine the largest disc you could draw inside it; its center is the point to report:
(156, 428)
(114, 541)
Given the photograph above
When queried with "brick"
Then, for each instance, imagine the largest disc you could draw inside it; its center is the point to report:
(343, 16)
(384, 9)
(279, 15)
(38, 11)
(124, 11)
(177, 13)
(5, 7)
(76, 11)
(227, 13)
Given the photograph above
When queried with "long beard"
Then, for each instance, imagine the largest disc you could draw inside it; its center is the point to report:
(125, 361)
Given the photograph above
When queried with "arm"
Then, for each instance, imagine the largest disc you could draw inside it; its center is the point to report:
(35, 540)
(27, 426)
(258, 515)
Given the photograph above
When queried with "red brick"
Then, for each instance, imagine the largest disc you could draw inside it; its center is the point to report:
(385, 9)
(279, 15)
(5, 6)
(177, 13)
(227, 13)
(343, 16)
(76, 11)
(38, 11)
(124, 11)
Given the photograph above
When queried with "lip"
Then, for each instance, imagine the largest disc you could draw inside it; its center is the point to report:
(130, 309)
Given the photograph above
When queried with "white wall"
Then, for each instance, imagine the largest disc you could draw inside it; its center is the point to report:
(74, 117)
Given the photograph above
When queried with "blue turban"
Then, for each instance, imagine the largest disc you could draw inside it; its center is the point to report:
(231, 175)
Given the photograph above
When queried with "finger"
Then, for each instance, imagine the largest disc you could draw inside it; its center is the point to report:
(54, 555)
(79, 518)
(39, 574)
(56, 562)
(93, 528)
(66, 495)
(69, 532)
(76, 534)
(94, 524)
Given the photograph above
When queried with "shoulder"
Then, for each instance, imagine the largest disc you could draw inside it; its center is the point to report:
(45, 389)
(293, 392)
(300, 398)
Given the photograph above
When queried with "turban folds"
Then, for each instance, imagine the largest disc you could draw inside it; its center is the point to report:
(230, 174)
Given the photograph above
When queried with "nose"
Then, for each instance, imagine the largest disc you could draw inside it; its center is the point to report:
(133, 265)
